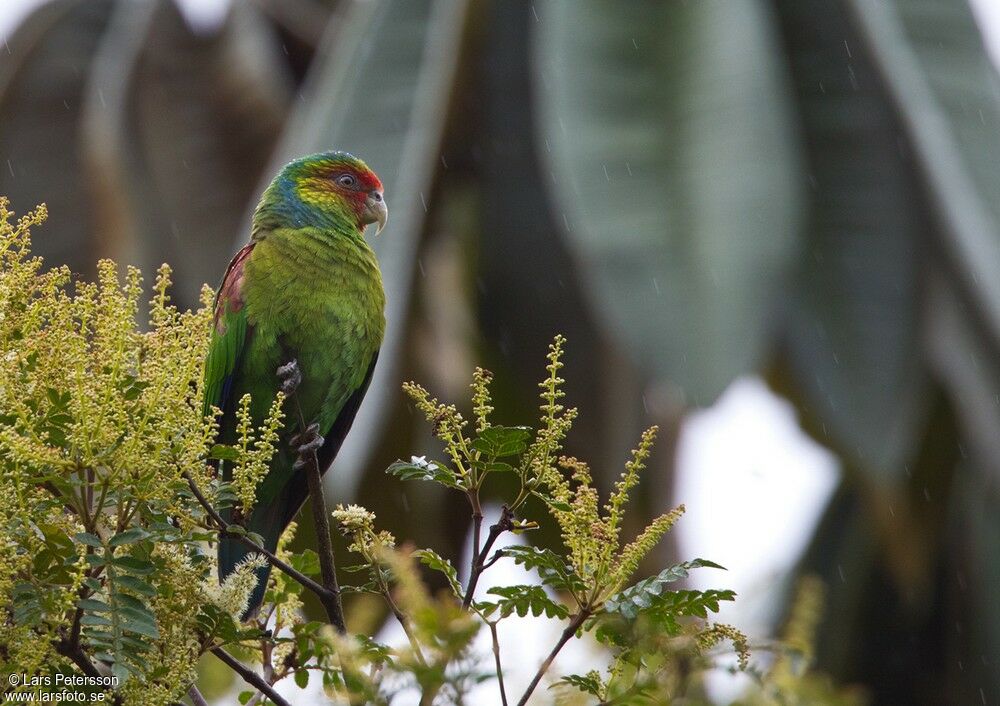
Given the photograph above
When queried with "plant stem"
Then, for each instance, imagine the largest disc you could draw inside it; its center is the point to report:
(496, 659)
(249, 676)
(479, 555)
(308, 441)
(574, 625)
(403, 623)
(196, 698)
(321, 518)
(224, 528)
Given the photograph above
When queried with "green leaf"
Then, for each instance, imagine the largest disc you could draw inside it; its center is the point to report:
(645, 593)
(432, 559)
(91, 604)
(429, 470)
(221, 452)
(523, 599)
(553, 569)
(589, 683)
(134, 565)
(120, 670)
(91, 619)
(135, 584)
(552, 502)
(306, 562)
(631, 603)
(302, 678)
(129, 536)
(140, 627)
(91, 540)
(500, 441)
(128, 601)
(666, 130)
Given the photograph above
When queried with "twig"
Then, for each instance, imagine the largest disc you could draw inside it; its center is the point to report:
(75, 653)
(226, 528)
(403, 623)
(249, 676)
(574, 625)
(496, 658)
(327, 563)
(290, 377)
(196, 698)
(479, 558)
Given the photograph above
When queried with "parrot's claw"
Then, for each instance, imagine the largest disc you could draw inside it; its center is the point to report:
(290, 376)
(306, 444)
(313, 444)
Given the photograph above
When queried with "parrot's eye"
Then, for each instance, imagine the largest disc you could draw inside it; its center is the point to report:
(346, 180)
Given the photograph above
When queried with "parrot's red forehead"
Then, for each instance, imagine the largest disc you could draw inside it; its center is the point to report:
(368, 178)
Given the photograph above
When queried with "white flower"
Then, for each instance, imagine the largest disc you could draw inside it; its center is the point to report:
(422, 462)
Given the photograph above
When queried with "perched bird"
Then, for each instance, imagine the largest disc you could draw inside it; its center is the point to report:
(306, 288)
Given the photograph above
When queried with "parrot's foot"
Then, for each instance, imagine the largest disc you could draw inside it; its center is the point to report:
(306, 444)
(290, 377)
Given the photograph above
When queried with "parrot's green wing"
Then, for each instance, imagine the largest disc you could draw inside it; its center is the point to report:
(229, 336)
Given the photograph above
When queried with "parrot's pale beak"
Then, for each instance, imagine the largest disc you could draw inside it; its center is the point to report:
(376, 211)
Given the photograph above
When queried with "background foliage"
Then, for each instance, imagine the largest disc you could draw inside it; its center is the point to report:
(690, 191)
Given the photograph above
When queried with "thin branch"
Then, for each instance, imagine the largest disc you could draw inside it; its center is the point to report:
(196, 698)
(497, 556)
(496, 658)
(403, 623)
(225, 528)
(308, 435)
(250, 677)
(502, 525)
(477, 525)
(574, 625)
(76, 654)
(327, 562)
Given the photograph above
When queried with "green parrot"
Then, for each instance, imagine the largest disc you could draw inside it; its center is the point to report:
(306, 288)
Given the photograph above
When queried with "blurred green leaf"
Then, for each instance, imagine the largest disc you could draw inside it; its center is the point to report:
(432, 559)
(852, 320)
(43, 78)
(179, 127)
(675, 173)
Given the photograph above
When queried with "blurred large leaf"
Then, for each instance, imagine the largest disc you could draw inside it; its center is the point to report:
(974, 592)
(675, 175)
(852, 320)
(42, 80)
(933, 63)
(525, 300)
(382, 92)
(180, 126)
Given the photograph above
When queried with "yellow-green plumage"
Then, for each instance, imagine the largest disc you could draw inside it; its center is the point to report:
(307, 288)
